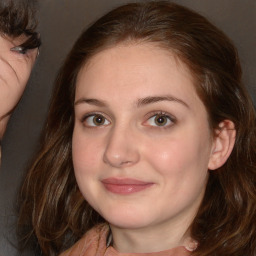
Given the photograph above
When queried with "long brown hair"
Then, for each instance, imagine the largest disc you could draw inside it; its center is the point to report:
(53, 211)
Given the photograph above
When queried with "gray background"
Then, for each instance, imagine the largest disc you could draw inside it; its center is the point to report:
(61, 21)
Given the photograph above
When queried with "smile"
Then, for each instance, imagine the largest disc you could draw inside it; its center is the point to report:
(125, 186)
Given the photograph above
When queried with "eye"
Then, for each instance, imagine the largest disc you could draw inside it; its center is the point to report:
(95, 120)
(19, 49)
(160, 120)
(24, 51)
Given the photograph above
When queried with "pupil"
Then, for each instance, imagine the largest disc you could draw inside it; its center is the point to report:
(98, 120)
(161, 120)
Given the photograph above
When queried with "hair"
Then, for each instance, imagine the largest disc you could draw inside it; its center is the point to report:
(18, 17)
(52, 209)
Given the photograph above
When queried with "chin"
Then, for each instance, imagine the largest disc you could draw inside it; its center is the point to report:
(126, 218)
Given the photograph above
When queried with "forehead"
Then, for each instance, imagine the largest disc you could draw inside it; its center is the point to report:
(137, 69)
(13, 40)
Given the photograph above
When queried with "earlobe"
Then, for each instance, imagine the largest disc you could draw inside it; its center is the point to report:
(223, 144)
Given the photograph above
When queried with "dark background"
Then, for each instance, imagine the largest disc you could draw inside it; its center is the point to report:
(61, 21)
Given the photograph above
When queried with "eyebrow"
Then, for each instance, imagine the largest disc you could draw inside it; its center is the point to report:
(94, 102)
(140, 103)
(155, 99)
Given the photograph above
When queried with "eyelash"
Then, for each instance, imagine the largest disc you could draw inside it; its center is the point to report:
(170, 119)
(20, 50)
(93, 115)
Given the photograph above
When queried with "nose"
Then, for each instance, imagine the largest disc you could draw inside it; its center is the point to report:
(121, 149)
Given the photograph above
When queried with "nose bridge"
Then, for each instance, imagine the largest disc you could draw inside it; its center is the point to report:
(121, 149)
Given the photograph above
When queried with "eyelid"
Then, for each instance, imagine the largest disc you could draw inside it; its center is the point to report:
(19, 49)
(160, 113)
(86, 116)
(22, 51)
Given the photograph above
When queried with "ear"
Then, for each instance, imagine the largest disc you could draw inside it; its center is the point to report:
(223, 144)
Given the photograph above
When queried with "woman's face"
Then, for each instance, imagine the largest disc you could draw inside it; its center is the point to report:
(141, 141)
(15, 69)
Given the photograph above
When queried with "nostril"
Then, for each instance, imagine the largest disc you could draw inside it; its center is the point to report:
(121, 150)
(125, 162)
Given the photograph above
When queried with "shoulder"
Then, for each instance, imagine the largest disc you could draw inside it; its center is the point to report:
(93, 241)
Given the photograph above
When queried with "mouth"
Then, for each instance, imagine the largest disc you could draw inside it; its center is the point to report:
(125, 186)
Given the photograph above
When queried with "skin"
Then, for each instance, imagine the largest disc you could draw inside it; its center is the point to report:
(15, 69)
(123, 85)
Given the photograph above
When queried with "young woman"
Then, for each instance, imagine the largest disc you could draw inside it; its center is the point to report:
(149, 143)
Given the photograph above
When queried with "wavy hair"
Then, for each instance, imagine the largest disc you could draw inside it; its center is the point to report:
(52, 209)
(18, 17)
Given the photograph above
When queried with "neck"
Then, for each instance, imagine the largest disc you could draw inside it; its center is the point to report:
(150, 239)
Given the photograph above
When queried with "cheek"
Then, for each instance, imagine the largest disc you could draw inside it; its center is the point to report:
(24, 71)
(18, 75)
(85, 153)
(180, 157)
(23, 64)
(182, 168)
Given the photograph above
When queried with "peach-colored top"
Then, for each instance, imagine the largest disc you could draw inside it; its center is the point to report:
(93, 243)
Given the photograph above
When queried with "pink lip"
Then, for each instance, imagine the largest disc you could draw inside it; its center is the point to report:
(125, 185)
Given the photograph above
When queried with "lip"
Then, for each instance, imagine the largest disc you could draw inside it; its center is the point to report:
(125, 186)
